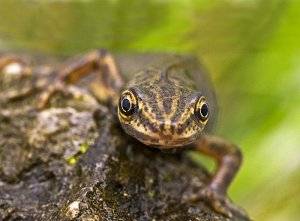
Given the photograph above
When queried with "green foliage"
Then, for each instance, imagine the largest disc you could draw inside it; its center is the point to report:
(251, 48)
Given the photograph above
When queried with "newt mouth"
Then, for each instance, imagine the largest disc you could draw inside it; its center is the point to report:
(167, 141)
(163, 140)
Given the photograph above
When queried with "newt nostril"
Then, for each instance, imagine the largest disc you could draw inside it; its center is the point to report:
(172, 129)
(167, 128)
(162, 127)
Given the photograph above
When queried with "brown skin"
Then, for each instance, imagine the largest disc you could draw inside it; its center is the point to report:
(161, 106)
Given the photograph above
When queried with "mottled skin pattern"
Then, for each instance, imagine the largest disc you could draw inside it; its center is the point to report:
(166, 105)
(164, 115)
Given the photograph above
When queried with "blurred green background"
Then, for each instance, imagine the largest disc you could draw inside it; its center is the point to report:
(250, 47)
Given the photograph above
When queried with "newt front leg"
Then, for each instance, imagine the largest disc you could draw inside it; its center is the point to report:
(99, 61)
(228, 158)
(106, 89)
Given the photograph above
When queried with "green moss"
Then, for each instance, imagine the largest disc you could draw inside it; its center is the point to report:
(151, 193)
(83, 148)
(150, 181)
(72, 161)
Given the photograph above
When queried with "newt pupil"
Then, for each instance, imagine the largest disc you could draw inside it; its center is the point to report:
(204, 110)
(126, 105)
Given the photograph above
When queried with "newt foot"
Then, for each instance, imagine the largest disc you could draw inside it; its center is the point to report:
(217, 201)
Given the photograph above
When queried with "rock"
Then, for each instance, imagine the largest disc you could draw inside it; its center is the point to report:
(72, 161)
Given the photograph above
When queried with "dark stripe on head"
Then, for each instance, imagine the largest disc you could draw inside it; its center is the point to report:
(183, 127)
(167, 91)
(162, 127)
(147, 123)
(180, 107)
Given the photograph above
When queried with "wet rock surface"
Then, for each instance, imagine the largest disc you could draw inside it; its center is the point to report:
(72, 161)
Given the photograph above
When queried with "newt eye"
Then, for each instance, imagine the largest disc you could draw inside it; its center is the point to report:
(202, 110)
(127, 104)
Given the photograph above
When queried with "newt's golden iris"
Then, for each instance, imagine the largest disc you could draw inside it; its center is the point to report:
(202, 110)
(127, 104)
